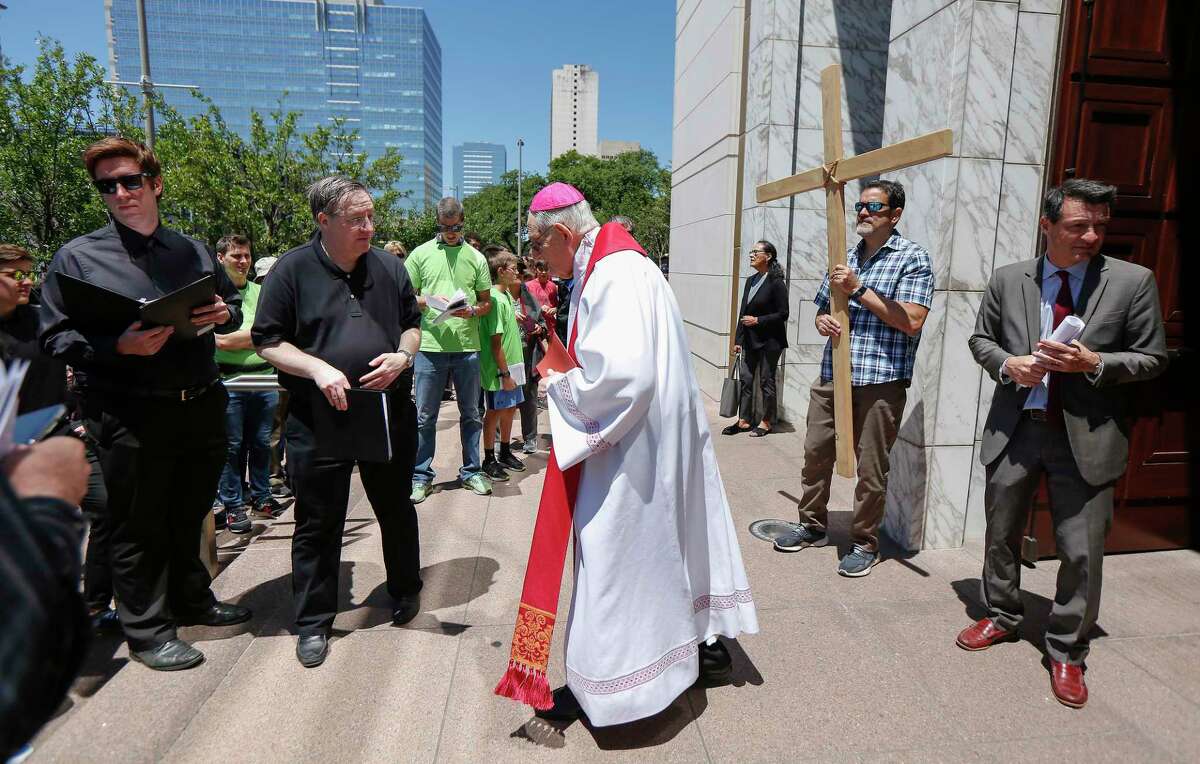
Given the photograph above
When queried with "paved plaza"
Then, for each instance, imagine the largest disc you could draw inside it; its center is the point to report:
(843, 669)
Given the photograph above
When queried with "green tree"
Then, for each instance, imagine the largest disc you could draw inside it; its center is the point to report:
(216, 182)
(492, 212)
(46, 121)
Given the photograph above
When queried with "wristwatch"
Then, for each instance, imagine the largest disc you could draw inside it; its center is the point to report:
(858, 293)
(407, 355)
(502, 374)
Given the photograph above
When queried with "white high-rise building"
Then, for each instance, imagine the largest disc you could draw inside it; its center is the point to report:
(574, 110)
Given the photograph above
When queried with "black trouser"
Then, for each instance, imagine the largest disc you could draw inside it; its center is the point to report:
(161, 459)
(279, 474)
(321, 484)
(760, 363)
(528, 407)
(97, 565)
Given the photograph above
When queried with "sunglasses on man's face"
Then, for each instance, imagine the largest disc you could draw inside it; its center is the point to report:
(872, 207)
(130, 182)
(17, 275)
(456, 228)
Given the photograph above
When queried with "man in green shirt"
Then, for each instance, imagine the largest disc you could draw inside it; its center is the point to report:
(450, 347)
(248, 414)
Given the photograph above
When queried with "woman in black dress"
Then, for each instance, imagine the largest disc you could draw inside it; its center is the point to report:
(760, 339)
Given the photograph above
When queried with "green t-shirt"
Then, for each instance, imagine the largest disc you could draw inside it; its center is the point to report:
(245, 357)
(502, 320)
(436, 269)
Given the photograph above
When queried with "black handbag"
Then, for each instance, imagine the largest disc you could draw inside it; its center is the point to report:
(730, 392)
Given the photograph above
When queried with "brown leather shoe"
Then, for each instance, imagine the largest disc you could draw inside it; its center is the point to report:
(983, 634)
(1067, 682)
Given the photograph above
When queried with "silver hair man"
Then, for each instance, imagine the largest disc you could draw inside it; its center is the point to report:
(449, 208)
(327, 194)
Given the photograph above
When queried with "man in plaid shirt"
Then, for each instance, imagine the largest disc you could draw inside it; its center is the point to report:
(889, 281)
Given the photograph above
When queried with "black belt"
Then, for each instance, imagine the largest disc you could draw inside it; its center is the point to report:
(1040, 415)
(233, 368)
(134, 391)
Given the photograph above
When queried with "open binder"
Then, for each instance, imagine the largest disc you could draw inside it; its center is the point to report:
(112, 311)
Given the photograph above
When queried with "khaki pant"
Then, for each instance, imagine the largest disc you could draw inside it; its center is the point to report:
(877, 412)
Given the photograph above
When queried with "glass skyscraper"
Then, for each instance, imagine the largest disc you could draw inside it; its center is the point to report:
(376, 66)
(477, 166)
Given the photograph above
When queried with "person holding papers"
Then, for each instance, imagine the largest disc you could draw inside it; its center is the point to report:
(453, 292)
(1060, 410)
(502, 368)
(152, 401)
(338, 319)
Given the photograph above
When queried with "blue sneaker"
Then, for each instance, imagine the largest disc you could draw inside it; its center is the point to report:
(799, 538)
(858, 563)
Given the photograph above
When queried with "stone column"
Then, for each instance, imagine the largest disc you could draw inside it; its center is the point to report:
(986, 69)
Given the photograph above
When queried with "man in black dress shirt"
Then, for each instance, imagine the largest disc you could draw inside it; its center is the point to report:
(336, 313)
(152, 405)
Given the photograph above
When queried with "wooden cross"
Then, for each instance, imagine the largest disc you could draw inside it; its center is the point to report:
(832, 176)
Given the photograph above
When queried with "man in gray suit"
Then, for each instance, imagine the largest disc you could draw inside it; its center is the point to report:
(1060, 410)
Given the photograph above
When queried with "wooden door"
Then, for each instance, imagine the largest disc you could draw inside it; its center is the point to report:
(1118, 119)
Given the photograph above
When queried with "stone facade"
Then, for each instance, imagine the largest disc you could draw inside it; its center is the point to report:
(984, 68)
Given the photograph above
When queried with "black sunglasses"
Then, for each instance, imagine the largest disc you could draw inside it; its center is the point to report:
(871, 207)
(456, 228)
(19, 275)
(130, 182)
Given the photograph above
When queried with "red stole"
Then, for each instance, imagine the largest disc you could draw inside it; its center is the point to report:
(525, 680)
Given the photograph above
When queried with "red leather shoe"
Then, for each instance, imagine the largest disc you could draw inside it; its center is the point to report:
(1067, 682)
(983, 634)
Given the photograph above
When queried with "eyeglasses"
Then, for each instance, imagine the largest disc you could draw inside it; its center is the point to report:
(456, 228)
(17, 275)
(758, 252)
(133, 182)
(871, 207)
(359, 221)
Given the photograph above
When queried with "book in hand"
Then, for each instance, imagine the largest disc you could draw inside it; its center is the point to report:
(109, 310)
(446, 306)
(10, 384)
(361, 433)
(557, 360)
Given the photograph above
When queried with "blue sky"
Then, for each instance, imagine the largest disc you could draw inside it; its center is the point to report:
(496, 62)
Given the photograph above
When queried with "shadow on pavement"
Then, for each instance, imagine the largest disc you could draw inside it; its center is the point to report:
(1036, 616)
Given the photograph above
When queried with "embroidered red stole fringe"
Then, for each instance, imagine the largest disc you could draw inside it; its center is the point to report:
(525, 680)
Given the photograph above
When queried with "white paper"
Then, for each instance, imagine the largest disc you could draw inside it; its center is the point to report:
(10, 385)
(1067, 332)
(446, 307)
(517, 372)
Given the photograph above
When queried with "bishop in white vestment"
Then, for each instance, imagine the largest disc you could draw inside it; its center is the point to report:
(658, 572)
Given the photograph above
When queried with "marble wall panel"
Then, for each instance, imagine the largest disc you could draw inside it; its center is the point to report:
(786, 18)
(703, 301)
(989, 80)
(784, 59)
(761, 22)
(714, 62)
(908, 482)
(715, 118)
(699, 24)
(1029, 108)
(1042, 6)
(798, 379)
(976, 520)
(987, 388)
(710, 345)
(847, 24)
(958, 388)
(754, 169)
(779, 159)
(705, 194)
(864, 75)
(931, 190)
(703, 247)
(906, 14)
(920, 410)
(709, 377)
(758, 86)
(946, 502)
(1017, 233)
(975, 223)
(810, 251)
(927, 69)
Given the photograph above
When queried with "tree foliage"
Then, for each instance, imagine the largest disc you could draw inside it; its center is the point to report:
(46, 121)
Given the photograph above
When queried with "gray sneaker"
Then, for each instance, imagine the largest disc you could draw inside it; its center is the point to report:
(420, 492)
(858, 563)
(530, 446)
(478, 484)
(803, 536)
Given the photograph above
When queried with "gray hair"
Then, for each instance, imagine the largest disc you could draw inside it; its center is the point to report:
(328, 194)
(578, 218)
(624, 221)
(449, 208)
(1086, 191)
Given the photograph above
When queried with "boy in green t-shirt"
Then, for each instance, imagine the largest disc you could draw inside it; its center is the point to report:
(501, 368)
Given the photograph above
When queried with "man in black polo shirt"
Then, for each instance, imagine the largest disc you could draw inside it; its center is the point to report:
(336, 313)
(152, 405)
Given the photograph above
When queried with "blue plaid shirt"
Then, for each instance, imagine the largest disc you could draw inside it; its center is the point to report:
(901, 271)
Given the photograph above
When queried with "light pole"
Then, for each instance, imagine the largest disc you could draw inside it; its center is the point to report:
(520, 145)
(3, 7)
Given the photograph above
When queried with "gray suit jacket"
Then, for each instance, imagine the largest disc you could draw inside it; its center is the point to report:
(1119, 305)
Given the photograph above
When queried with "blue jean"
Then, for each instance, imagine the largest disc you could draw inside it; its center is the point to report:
(431, 371)
(248, 419)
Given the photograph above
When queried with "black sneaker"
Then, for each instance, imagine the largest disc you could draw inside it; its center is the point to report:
(510, 462)
(281, 491)
(803, 536)
(268, 509)
(237, 521)
(495, 472)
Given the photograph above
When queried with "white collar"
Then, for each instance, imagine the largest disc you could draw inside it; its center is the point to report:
(584, 252)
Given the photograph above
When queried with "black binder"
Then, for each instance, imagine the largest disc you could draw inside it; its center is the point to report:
(112, 311)
(362, 432)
